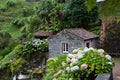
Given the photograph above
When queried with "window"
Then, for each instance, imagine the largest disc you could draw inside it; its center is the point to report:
(88, 44)
(65, 47)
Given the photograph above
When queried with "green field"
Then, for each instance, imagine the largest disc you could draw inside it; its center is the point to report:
(7, 16)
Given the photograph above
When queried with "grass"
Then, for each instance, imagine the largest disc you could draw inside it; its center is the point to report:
(10, 14)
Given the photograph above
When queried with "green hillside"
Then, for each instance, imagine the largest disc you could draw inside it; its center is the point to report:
(9, 11)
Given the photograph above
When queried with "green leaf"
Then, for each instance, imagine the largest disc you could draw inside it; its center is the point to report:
(90, 4)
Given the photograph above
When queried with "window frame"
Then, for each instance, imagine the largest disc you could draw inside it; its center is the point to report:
(88, 44)
(65, 47)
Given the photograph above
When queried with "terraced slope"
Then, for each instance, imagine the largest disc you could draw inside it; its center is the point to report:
(8, 14)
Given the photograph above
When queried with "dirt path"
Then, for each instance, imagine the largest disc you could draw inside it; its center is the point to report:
(116, 69)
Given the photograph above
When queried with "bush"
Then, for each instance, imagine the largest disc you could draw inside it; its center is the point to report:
(22, 51)
(33, 24)
(8, 48)
(10, 3)
(19, 22)
(26, 11)
(3, 8)
(4, 39)
(81, 64)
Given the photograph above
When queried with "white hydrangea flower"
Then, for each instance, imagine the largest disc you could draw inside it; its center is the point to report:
(54, 79)
(68, 69)
(75, 68)
(74, 61)
(102, 55)
(56, 74)
(51, 59)
(68, 60)
(108, 57)
(63, 64)
(70, 78)
(101, 51)
(70, 55)
(71, 64)
(80, 52)
(84, 66)
(85, 50)
(75, 56)
(91, 48)
(80, 56)
(110, 63)
(75, 50)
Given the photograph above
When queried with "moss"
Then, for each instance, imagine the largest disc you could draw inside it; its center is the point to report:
(36, 71)
(16, 65)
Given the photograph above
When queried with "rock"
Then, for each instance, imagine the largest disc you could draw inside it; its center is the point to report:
(104, 76)
(14, 78)
(21, 77)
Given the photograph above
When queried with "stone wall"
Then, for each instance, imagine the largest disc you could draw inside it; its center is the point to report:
(30, 70)
(74, 42)
(55, 43)
(105, 76)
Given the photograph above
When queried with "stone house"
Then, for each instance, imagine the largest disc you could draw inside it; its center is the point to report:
(69, 39)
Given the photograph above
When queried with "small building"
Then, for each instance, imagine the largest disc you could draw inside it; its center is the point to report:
(42, 34)
(69, 39)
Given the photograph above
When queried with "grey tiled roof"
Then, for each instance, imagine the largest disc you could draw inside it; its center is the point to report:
(43, 33)
(82, 33)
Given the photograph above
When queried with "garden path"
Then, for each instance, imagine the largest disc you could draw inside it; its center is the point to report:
(116, 69)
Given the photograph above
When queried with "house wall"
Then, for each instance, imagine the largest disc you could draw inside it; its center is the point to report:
(93, 42)
(55, 43)
(74, 42)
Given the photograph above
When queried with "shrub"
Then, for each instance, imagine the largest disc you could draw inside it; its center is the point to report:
(36, 45)
(4, 39)
(10, 3)
(19, 22)
(8, 48)
(81, 64)
(26, 11)
(3, 8)
(33, 23)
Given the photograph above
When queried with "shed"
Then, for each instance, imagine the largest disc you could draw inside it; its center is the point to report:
(69, 39)
(42, 34)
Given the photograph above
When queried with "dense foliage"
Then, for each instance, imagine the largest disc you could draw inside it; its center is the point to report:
(4, 39)
(112, 38)
(108, 7)
(77, 15)
(14, 61)
(81, 64)
(50, 11)
(57, 16)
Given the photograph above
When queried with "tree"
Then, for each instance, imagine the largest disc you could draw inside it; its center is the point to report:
(108, 7)
(76, 14)
(50, 13)
(112, 42)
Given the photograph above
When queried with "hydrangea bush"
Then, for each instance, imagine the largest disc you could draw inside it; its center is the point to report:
(81, 64)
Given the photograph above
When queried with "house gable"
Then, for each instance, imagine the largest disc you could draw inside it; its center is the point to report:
(63, 41)
(68, 41)
(65, 35)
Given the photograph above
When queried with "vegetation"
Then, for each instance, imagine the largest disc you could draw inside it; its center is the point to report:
(82, 64)
(77, 15)
(108, 7)
(21, 19)
(112, 38)
(12, 11)
(17, 57)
